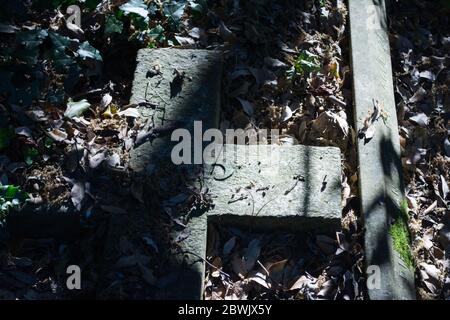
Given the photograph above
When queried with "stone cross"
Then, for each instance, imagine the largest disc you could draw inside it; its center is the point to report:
(267, 187)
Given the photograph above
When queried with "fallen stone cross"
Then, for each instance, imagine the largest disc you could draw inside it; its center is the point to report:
(267, 187)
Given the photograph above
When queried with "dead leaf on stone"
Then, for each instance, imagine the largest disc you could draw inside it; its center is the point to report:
(327, 289)
(237, 291)
(368, 130)
(277, 271)
(76, 30)
(196, 33)
(332, 127)
(430, 276)
(300, 283)
(37, 115)
(130, 112)
(430, 208)
(24, 131)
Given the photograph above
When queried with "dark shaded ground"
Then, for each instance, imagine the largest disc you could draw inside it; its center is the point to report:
(420, 44)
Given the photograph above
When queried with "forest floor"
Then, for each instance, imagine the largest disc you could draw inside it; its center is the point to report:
(66, 130)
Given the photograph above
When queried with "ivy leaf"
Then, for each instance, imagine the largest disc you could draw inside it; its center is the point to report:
(198, 7)
(11, 191)
(135, 6)
(153, 9)
(157, 33)
(28, 43)
(174, 11)
(10, 197)
(30, 155)
(61, 60)
(86, 51)
(75, 109)
(113, 25)
(306, 62)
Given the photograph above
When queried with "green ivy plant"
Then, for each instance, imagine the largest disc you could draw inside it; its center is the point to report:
(22, 75)
(11, 197)
(305, 63)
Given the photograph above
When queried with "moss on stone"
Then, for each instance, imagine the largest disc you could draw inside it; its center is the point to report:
(400, 235)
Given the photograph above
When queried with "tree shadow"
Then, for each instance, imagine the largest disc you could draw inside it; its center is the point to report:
(379, 215)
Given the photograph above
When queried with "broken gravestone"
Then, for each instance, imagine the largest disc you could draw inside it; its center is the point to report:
(174, 88)
(266, 187)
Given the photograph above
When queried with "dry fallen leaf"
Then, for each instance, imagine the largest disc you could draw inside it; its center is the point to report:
(57, 135)
(368, 129)
(225, 33)
(287, 114)
(77, 193)
(106, 100)
(130, 112)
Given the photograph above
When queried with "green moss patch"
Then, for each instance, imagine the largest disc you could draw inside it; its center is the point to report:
(400, 235)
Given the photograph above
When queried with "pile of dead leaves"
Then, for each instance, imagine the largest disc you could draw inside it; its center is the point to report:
(247, 265)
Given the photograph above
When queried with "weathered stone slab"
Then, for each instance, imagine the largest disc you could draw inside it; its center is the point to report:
(184, 86)
(270, 186)
(179, 87)
(380, 179)
(267, 187)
